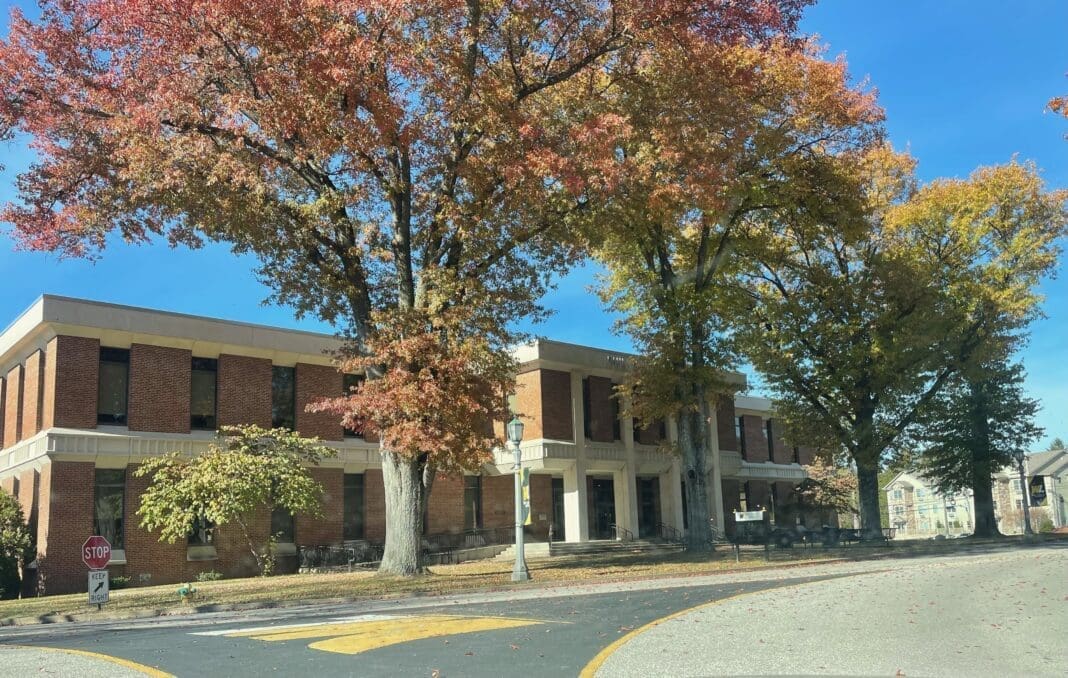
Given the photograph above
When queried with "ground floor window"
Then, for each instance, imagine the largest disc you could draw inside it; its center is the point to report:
(354, 506)
(203, 533)
(472, 502)
(283, 526)
(108, 505)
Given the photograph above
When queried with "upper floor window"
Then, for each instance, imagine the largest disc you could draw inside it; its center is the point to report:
(203, 394)
(739, 431)
(351, 381)
(899, 494)
(616, 432)
(113, 387)
(283, 397)
(797, 454)
(108, 504)
(771, 445)
(587, 415)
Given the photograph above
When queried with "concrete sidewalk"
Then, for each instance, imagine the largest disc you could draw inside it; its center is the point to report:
(36, 661)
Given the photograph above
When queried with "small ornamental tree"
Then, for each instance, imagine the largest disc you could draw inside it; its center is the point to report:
(15, 542)
(251, 471)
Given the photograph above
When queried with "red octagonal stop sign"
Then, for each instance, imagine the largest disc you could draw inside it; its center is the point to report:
(96, 552)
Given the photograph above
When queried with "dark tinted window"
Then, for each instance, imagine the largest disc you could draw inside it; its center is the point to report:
(109, 493)
(283, 527)
(353, 506)
(203, 533)
(472, 502)
(283, 398)
(203, 393)
(113, 387)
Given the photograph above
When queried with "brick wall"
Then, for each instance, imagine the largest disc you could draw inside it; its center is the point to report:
(32, 379)
(649, 435)
(543, 402)
(244, 391)
(328, 529)
(805, 455)
(498, 501)
(64, 521)
(159, 389)
(315, 382)
(756, 444)
(602, 409)
(72, 375)
(781, 452)
(725, 418)
(374, 493)
(13, 407)
(29, 486)
(541, 503)
(3, 406)
(445, 510)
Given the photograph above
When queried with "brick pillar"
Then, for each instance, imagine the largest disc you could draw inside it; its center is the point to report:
(541, 503)
(731, 503)
(149, 560)
(313, 531)
(781, 453)
(445, 509)
(244, 391)
(498, 500)
(805, 455)
(313, 383)
(32, 380)
(3, 417)
(64, 521)
(756, 444)
(159, 389)
(725, 418)
(543, 402)
(602, 409)
(375, 506)
(29, 487)
(72, 374)
(13, 407)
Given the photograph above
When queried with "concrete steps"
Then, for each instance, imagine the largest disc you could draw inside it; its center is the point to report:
(542, 550)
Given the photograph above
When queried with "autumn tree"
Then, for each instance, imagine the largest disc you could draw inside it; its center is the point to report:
(250, 473)
(827, 487)
(979, 423)
(386, 161)
(857, 326)
(706, 139)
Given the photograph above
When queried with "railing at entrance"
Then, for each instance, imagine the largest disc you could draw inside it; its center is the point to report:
(668, 533)
(622, 533)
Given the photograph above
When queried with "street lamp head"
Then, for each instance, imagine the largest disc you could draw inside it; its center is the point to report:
(515, 431)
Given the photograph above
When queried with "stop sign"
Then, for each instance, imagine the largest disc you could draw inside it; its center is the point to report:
(96, 552)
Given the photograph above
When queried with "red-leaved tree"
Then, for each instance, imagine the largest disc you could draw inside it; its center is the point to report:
(388, 161)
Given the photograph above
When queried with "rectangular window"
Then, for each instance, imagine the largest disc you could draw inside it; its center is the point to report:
(109, 494)
(203, 533)
(771, 445)
(283, 398)
(472, 502)
(587, 417)
(351, 381)
(797, 454)
(353, 506)
(616, 434)
(202, 394)
(739, 430)
(743, 496)
(898, 494)
(283, 526)
(113, 387)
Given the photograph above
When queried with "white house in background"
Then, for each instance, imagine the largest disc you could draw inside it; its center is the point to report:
(917, 509)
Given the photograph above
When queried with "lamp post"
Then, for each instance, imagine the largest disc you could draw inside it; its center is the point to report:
(515, 436)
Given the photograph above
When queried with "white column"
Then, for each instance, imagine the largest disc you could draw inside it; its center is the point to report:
(715, 497)
(576, 508)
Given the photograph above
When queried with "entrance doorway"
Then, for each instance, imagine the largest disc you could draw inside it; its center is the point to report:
(602, 507)
(558, 533)
(648, 506)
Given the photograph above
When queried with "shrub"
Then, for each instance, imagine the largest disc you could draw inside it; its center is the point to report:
(119, 582)
(15, 545)
(210, 575)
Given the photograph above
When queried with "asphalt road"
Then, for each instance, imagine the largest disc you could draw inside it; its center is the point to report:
(923, 616)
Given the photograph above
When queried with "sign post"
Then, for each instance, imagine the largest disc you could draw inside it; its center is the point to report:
(96, 554)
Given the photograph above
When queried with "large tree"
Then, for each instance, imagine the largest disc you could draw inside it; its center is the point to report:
(858, 325)
(979, 423)
(387, 160)
(708, 138)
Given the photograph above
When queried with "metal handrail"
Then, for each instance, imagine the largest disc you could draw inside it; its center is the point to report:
(668, 533)
(622, 533)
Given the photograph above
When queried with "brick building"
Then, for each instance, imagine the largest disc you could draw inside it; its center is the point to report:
(88, 390)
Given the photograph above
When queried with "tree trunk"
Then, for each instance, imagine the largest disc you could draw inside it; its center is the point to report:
(986, 523)
(1026, 501)
(868, 491)
(692, 436)
(407, 485)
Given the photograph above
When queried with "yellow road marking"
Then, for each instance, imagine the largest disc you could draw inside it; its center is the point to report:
(362, 636)
(147, 670)
(590, 670)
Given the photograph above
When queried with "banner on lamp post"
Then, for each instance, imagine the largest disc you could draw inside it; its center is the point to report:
(527, 517)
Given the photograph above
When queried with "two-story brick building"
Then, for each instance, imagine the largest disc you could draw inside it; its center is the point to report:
(88, 390)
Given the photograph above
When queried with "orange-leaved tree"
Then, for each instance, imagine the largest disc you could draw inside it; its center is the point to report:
(386, 160)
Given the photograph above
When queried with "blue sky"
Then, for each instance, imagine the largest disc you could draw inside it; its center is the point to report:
(964, 84)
